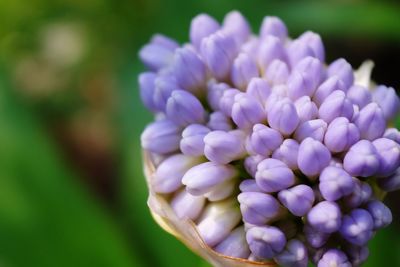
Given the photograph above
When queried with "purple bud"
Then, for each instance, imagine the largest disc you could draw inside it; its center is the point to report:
(391, 183)
(250, 164)
(164, 86)
(282, 116)
(270, 48)
(147, 86)
(187, 206)
(259, 208)
(169, 173)
(215, 93)
(227, 100)
(247, 111)
(357, 227)
(313, 128)
(325, 217)
(201, 27)
(273, 26)
(336, 105)
(189, 70)
(298, 200)
(381, 214)
(361, 194)
(306, 109)
(315, 238)
(335, 183)
(192, 143)
(243, 70)
(224, 147)
(359, 95)
(183, 108)
(304, 78)
(218, 51)
(362, 159)
(313, 157)
(326, 88)
(298, 50)
(157, 55)
(314, 41)
(164, 41)
(251, 47)
(371, 122)
(387, 100)
(265, 242)
(343, 70)
(204, 177)
(341, 135)
(295, 255)
(218, 220)
(222, 191)
(277, 72)
(161, 137)
(249, 185)
(358, 255)
(278, 93)
(218, 121)
(393, 134)
(288, 153)
(389, 155)
(334, 257)
(264, 140)
(234, 245)
(236, 25)
(273, 175)
(259, 89)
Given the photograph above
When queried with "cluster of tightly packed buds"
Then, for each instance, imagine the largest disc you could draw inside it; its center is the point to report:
(272, 153)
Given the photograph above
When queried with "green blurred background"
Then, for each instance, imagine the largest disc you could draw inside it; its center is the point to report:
(72, 192)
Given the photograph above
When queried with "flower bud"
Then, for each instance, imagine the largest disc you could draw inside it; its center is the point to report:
(184, 108)
(202, 178)
(341, 135)
(168, 176)
(273, 175)
(313, 128)
(315, 238)
(381, 214)
(222, 191)
(189, 70)
(218, 51)
(192, 143)
(295, 255)
(249, 185)
(357, 227)
(147, 86)
(227, 100)
(223, 147)
(215, 93)
(282, 116)
(218, 121)
(164, 86)
(259, 89)
(265, 242)
(393, 134)
(270, 48)
(357, 255)
(218, 220)
(158, 53)
(298, 50)
(371, 122)
(334, 257)
(247, 111)
(251, 48)
(243, 70)
(236, 25)
(288, 153)
(161, 137)
(391, 183)
(277, 72)
(298, 199)
(313, 157)
(273, 26)
(234, 245)
(306, 109)
(335, 183)
(362, 159)
(361, 194)
(387, 100)
(336, 105)
(259, 208)
(187, 206)
(326, 88)
(201, 27)
(359, 95)
(343, 70)
(278, 93)
(264, 140)
(325, 217)
(314, 41)
(389, 155)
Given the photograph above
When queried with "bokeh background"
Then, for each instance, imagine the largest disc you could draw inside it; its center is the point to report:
(72, 192)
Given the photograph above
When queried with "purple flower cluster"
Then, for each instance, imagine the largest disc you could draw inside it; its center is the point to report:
(273, 153)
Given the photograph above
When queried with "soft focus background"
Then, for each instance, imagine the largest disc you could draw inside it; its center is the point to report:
(72, 192)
